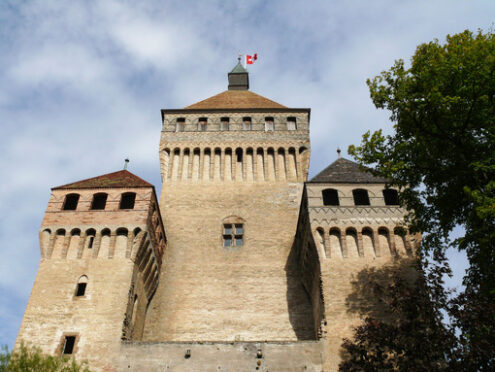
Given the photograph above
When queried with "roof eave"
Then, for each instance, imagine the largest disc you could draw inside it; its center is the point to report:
(236, 110)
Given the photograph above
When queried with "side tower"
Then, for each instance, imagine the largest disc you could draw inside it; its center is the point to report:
(232, 168)
(357, 224)
(102, 242)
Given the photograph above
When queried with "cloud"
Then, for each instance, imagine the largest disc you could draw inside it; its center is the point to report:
(82, 83)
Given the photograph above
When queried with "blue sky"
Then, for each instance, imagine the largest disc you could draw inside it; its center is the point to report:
(82, 84)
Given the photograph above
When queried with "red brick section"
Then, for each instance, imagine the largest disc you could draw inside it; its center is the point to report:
(121, 178)
(238, 99)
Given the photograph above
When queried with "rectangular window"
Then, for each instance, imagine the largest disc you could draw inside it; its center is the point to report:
(291, 123)
(81, 289)
(224, 124)
(69, 342)
(202, 124)
(233, 235)
(246, 123)
(180, 125)
(269, 124)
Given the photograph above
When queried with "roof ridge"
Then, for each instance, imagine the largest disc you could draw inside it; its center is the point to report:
(344, 170)
(122, 178)
(230, 99)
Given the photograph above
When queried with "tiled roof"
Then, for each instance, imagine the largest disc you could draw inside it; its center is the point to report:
(346, 171)
(235, 99)
(121, 178)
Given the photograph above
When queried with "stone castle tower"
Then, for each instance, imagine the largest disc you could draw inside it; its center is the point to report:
(250, 268)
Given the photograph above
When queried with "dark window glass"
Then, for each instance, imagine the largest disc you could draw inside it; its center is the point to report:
(227, 240)
(81, 289)
(391, 197)
(70, 203)
(233, 235)
(361, 197)
(69, 344)
(239, 229)
(99, 201)
(127, 200)
(330, 197)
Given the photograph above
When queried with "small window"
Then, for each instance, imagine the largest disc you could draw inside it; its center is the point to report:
(361, 197)
(70, 203)
(99, 201)
(224, 124)
(202, 124)
(233, 235)
(330, 197)
(291, 123)
(391, 197)
(247, 123)
(269, 124)
(69, 342)
(81, 286)
(127, 200)
(180, 125)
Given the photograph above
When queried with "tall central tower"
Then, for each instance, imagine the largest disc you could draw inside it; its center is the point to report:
(233, 168)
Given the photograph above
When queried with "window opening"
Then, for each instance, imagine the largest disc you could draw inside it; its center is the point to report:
(291, 123)
(233, 235)
(99, 201)
(202, 123)
(71, 201)
(330, 197)
(91, 240)
(391, 197)
(361, 197)
(247, 124)
(127, 200)
(224, 124)
(269, 125)
(81, 289)
(69, 344)
(180, 125)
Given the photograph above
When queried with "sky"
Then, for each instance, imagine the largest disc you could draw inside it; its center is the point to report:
(82, 84)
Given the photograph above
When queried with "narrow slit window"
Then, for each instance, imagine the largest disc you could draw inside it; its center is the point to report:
(91, 241)
(69, 343)
(127, 201)
(70, 203)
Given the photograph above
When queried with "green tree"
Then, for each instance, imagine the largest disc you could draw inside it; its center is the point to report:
(441, 154)
(31, 359)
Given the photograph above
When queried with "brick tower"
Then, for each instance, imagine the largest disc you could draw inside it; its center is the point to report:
(101, 244)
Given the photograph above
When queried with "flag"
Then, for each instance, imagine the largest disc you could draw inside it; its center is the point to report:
(250, 59)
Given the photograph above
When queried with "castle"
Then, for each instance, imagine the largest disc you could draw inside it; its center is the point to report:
(242, 265)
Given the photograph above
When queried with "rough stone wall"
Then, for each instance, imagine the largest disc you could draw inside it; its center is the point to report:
(119, 252)
(221, 356)
(209, 292)
(351, 239)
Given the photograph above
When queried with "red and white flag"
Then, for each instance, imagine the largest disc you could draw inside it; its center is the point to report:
(250, 59)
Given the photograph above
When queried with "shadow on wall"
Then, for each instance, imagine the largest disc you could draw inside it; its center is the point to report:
(298, 299)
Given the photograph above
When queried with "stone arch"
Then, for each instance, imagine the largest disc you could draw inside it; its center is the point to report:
(351, 242)
(384, 241)
(368, 243)
(336, 249)
(400, 240)
(121, 242)
(81, 286)
(320, 239)
(104, 249)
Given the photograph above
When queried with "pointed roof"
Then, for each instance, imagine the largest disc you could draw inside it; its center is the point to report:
(239, 68)
(122, 178)
(236, 99)
(346, 171)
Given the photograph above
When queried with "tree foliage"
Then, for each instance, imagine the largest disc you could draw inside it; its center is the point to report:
(31, 359)
(441, 154)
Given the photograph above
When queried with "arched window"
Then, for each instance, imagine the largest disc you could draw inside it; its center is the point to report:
(81, 286)
(90, 237)
(127, 200)
(70, 203)
(361, 197)
(99, 201)
(330, 197)
(391, 197)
